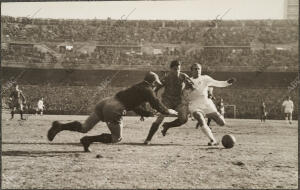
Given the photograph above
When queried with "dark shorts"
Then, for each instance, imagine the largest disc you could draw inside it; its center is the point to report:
(110, 110)
(16, 104)
(171, 103)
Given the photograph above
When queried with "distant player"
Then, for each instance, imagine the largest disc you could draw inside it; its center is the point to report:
(199, 105)
(174, 83)
(17, 99)
(40, 106)
(221, 107)
(263, 112)
(111, 110)
(288, 108)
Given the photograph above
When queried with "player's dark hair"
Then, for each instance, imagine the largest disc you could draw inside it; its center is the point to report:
(175, 63)
(195, 64)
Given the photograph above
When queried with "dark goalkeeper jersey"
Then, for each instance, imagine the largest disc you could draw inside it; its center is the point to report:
(134, 97)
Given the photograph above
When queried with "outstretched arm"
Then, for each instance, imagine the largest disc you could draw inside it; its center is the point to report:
(157, 88)
(189, 84)
(156, 103)
(216, 83)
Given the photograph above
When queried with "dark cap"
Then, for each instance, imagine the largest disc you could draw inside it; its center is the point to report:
(175, 63)
(151, 77)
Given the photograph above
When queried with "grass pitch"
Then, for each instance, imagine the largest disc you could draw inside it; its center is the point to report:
(265, 156)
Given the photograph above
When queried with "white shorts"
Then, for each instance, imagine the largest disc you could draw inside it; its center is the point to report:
(203, 105)
(288, 111)
(40, 108)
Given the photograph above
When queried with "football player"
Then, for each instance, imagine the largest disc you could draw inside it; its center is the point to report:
(199, 105)
(17, 99)
(112, 109)
(174, 83)
(40, 106)
(288, 108)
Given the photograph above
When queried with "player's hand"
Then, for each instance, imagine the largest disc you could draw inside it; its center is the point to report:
(142, 118)
(172, 112)
(231, 80)
(190, 82)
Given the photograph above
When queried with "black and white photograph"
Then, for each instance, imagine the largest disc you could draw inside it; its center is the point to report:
(186, 94)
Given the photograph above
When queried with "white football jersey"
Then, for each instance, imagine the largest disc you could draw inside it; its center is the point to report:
(40, 104)
(288, 106)
(202, 84)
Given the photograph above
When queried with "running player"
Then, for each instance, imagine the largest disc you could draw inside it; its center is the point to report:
(174, 83)
(111, 110)
(17, 99)
(288, 108)
(199, 105)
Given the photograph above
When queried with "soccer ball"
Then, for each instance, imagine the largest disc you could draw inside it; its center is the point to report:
(228, 141)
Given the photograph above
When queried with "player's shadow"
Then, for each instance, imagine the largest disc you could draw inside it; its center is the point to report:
(37, 153)
(43, 143)
(205, 147)
(142, 144)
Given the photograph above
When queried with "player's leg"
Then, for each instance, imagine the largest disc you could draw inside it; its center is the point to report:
(217, 117)
(115, 128)
(286, 115)
(76, 126)
(112, 113)
(182, 118)
(205, 129)
(13, 109)
(41, 112)
(155, 125)
(154, 128)
(21, 108)
(89, 123)
(208, 121)
(290, 117)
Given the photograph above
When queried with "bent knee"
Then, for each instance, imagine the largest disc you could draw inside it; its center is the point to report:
(116, 139)
(83, 131)
(83, 128)
(220, 121)
(182, 120)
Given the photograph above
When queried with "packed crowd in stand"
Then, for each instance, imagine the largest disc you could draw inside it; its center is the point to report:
(191, 39)
(180, 33)
(128, 32)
